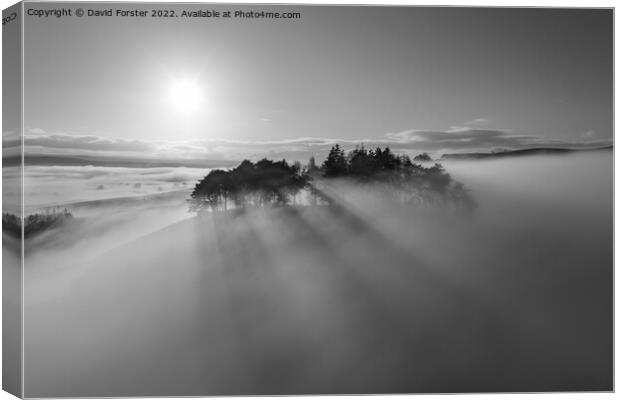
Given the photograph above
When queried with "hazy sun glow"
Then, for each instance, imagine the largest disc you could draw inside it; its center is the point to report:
(185, 96)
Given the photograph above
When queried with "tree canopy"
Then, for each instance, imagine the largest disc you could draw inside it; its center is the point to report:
(268, 182)
(422, 157)
(257, 184)
(34, 223)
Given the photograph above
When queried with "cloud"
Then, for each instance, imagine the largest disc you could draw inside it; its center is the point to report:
(94, 143)
(462, 138)
(412, 141)
(473, 139)
(81, 183)
(478, 122)
(589, 134)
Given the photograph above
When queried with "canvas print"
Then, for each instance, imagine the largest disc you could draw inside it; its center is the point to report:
(245, 199)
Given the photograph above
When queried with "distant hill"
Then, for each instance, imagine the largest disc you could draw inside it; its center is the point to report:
(518, 153)
(112, 162)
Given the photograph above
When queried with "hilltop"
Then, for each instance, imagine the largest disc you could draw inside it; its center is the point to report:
(519, 153)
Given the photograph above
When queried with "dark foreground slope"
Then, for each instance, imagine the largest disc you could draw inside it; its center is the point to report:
(323, 300)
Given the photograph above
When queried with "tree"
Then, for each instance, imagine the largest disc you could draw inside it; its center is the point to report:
(212, 191)
(311, 164)
(278, 183)
(408, 181)
(265, 183)
(422, 157)
(336, 163)
(387, 159)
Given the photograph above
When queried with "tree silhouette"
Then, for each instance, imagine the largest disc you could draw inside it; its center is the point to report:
(278, 183)
(362, 164)
(312, 164)
(422, 157)
(336, 163)
(410, 182)
(265, 183)
(35, 223)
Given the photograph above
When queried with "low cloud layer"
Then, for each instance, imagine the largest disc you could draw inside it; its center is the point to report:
(457, 139)
(53, 185)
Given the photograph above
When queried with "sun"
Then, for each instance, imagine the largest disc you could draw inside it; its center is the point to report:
(185, 96)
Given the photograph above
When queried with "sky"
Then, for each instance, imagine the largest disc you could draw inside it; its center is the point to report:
(416, 79)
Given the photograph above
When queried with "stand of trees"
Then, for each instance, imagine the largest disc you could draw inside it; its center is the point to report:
(279, 183)
(34, 223)
(410, 182)
(422, 157)
(255, 184)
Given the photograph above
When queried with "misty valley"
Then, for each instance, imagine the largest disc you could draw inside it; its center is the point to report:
(369, 273)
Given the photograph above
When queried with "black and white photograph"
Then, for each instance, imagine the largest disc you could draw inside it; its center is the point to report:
(226, 199)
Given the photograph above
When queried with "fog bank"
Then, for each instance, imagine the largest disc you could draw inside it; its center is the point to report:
(364, 297)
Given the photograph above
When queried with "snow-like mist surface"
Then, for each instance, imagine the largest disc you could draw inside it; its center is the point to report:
(46, 186)
(368, 298)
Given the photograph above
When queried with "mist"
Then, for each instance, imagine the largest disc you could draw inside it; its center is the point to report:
(46, 186)
(369, 296)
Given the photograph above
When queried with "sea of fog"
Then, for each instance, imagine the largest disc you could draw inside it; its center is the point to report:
(146, 299)
(47, 186)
